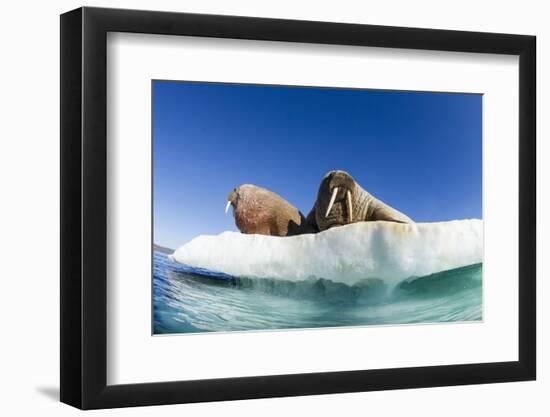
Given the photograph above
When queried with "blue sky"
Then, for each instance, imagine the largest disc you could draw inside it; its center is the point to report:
(419, 152)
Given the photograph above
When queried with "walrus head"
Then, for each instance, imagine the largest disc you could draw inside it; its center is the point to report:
(334, 205)
(258, 210)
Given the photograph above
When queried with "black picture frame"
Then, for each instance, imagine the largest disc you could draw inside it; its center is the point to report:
(84, 207)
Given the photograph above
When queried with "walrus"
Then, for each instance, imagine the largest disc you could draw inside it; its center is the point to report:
(261, 211)
(341, 201)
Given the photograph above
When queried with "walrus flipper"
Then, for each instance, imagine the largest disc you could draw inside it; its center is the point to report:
(387, 213)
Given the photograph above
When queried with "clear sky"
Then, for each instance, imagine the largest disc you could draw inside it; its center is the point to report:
(419, 152)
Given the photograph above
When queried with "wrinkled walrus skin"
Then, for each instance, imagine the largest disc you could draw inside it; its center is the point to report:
(260, 211)
(364, 206)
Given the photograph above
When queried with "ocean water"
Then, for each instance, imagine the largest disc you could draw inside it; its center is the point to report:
(190, 300)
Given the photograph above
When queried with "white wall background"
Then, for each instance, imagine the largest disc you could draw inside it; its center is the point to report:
(29, 167)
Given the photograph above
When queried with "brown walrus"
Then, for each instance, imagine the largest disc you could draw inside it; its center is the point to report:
(341, 201)
(260, 211)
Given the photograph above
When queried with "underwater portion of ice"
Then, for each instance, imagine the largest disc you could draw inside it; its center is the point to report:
(347, 254)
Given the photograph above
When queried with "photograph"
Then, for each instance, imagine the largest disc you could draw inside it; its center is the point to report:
(273, 205)
(279, 207)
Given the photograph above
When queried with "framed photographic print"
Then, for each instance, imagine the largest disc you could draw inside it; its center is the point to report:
(258, 207)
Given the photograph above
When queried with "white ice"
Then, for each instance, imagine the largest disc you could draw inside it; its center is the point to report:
(348, 254)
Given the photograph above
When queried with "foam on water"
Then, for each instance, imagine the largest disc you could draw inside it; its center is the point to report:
(348, 254)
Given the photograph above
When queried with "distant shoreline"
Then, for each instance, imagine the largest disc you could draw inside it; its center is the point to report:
(162, 249)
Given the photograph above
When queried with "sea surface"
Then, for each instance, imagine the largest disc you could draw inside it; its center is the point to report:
(190, 300)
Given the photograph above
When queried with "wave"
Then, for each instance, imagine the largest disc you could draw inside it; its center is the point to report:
(387, 251)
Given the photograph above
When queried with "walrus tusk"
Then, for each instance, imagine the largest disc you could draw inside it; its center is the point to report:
(227, 206)
(334, 192)
(350, 206)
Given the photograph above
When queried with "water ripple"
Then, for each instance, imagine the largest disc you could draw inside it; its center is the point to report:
(191, 300)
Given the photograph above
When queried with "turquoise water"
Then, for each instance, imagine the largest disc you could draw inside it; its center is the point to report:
(189, 300)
